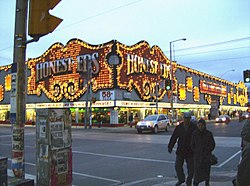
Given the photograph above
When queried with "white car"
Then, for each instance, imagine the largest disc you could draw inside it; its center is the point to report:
(153, 123)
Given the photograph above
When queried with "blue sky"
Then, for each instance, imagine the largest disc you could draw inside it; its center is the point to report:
(217, 31)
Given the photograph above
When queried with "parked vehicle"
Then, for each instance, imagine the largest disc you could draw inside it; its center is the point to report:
(153, 123)
(223, 119)
(244, 116)
(192, 120)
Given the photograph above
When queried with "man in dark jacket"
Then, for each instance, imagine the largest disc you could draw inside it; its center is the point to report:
(182, 135)
(243, 178)
(130, 119)
(202, 145)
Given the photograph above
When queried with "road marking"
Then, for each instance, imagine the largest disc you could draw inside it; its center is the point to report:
(164, 181)
(3, 136)
(138, 181)
(10, 135)
(229, 159)
(96, 177)
(123, 157)
(30, 176)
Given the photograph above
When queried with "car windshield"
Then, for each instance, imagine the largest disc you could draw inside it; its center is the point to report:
(151, 118)
(222, 116)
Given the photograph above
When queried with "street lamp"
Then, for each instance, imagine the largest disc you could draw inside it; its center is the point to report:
(172, 75)
(232, 70)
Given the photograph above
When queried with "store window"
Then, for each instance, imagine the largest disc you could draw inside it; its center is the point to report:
(31, 115)
(4, 115)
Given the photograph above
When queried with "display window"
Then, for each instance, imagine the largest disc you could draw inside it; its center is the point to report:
(4, 115)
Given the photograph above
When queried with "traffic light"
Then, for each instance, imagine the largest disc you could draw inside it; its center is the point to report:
(40, 21)
(246, 75)
(168, 84)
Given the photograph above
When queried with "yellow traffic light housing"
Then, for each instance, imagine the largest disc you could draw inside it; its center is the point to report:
(40, 21)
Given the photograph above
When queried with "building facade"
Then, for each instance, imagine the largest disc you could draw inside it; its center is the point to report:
(113, 80)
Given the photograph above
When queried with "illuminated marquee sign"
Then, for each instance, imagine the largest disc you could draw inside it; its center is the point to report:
(1, 92)
(65, 71)
(213, 89)
(196, 94)
(8, 82)
(61, 72)
(189, 83)
(143, 68)
(242, 98)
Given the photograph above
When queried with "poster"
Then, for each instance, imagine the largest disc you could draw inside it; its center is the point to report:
(62, 162)
(42, 129)
(44, 150)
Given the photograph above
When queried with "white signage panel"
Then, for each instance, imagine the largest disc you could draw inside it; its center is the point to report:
(107, 95)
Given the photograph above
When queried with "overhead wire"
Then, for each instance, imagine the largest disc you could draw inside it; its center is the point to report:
(223, 59)
(215, 44)
(90, 17)
(213, 51)
(212, 45)
(183, 49)
(99, 14)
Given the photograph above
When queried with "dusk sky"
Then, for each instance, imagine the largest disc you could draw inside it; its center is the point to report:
(217, 31)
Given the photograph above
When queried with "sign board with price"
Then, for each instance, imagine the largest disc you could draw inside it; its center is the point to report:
(107, 95)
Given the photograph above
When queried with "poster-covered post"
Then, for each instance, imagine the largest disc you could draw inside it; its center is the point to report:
(54, 152)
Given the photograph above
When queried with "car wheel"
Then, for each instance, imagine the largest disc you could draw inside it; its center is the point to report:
(155, 130)
(139, 131)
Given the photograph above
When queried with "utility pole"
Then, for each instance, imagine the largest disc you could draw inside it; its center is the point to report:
(172, 77)
(88, 102)
(86, 114)
(156, 97)
(18, 89)
(90, 93)
(40, 24)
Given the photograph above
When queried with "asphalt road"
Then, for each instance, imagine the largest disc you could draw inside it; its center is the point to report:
(120, 156)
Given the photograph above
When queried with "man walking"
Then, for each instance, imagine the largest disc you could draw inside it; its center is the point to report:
(130, 119)
(243, 178)
(182, 135)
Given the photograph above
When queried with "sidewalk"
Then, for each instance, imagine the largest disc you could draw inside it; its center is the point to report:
(216, 179)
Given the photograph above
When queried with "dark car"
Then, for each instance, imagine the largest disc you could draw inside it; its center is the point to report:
(244, 116)
(223, 119)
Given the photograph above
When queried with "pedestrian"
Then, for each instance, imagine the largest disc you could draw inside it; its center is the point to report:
(130, 119)
(202, 144)
(99, 120)
(243, 178)
(136, 119)
(182, 135)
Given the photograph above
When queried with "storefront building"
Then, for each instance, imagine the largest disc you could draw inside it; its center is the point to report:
(118, 80)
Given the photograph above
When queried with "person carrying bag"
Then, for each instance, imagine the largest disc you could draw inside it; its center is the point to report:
(202, 144)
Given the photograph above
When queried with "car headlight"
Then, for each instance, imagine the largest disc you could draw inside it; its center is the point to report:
(223, 119)
(247, 116)
(217, 119)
